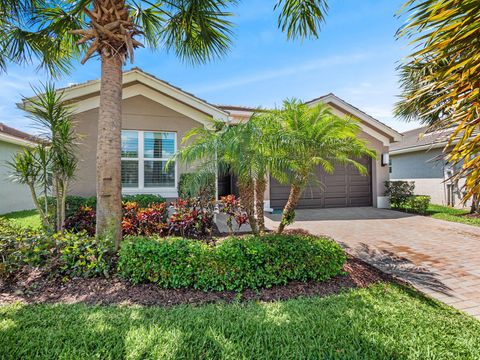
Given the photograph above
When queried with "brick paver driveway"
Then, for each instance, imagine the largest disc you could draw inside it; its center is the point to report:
(440, 258)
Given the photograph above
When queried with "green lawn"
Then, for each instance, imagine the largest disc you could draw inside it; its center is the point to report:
(25, 218)
(381, 322)
(451, 214)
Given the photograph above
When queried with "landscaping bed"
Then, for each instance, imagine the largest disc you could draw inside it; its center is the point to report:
(33, 286)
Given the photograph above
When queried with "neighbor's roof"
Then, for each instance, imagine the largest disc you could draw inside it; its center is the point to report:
(421, 139)
(14, 136)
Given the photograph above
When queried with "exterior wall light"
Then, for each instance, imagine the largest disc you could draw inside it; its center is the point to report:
(385, 159)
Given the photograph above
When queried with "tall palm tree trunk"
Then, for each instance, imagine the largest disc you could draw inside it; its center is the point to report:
(289, 209)
(260, 186)
(247, 198)
(109, 187)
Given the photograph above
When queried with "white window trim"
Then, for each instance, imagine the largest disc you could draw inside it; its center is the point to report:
(167, 192)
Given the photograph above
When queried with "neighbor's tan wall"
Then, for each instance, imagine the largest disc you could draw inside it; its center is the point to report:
(139, 113)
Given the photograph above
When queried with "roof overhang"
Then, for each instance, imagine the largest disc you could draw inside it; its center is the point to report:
(16, 141)
(369, 124)
(86, 96)
(439, 145)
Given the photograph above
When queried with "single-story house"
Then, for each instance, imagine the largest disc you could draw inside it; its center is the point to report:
(14, 196)
(156, 116)
(419, 157)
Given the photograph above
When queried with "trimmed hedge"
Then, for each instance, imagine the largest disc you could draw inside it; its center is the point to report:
(418, 204)
(233, 264)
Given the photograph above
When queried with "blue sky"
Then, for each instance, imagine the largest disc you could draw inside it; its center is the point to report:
(355, 57)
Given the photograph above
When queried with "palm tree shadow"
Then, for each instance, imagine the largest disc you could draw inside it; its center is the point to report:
(399, 267)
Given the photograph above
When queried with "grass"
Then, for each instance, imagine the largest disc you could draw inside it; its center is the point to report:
(25, 218)
(451, 214)
(380, 322)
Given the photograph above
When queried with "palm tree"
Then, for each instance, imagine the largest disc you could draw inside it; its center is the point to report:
(440, 84)
(196, 30)
(307, 137)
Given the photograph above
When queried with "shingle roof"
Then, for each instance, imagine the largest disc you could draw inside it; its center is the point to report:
(421, 137)
(7, 130)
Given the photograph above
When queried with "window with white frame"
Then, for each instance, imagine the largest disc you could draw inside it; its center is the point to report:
(144, 158)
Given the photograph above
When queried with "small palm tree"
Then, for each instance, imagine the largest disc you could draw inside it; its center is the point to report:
(58, 160)
(196, 30)
(306, 137)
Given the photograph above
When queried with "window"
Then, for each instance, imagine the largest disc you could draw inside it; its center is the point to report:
(390, 166)
(144, 158)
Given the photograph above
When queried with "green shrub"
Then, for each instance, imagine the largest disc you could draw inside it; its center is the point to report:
(144, 200)
(20, 247)
(399, 192)
(418, 204)
(69, 255)
(81, 255)
(73, 203)
(233, 264)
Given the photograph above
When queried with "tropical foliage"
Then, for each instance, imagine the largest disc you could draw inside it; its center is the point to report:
(238, 149)
(440, 79)
(52, 163)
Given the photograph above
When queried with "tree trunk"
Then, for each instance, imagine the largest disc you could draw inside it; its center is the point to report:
(247, 199)
(109, 186)
(58, 207)
(260, 186)
(289, 209)
(43, 216)
(62, 209)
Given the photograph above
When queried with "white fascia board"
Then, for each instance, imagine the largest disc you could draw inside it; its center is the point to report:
(418, 148)
(17, 141)
(359, 114)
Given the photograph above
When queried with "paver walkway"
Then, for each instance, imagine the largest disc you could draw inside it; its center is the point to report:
(440, 258)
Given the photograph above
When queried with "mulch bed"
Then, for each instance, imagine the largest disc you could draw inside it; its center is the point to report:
(33, 287)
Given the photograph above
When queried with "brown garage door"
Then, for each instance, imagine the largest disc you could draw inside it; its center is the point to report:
(344, 188)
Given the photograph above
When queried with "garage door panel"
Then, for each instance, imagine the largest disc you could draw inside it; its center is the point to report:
(345, 187)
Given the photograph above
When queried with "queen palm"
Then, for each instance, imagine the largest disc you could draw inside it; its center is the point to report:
(196, 30)
(305, 137)
(231, 149)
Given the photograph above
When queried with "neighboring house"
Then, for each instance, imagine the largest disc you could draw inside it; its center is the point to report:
(419, 157)
(156, 116)
(13, 196)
